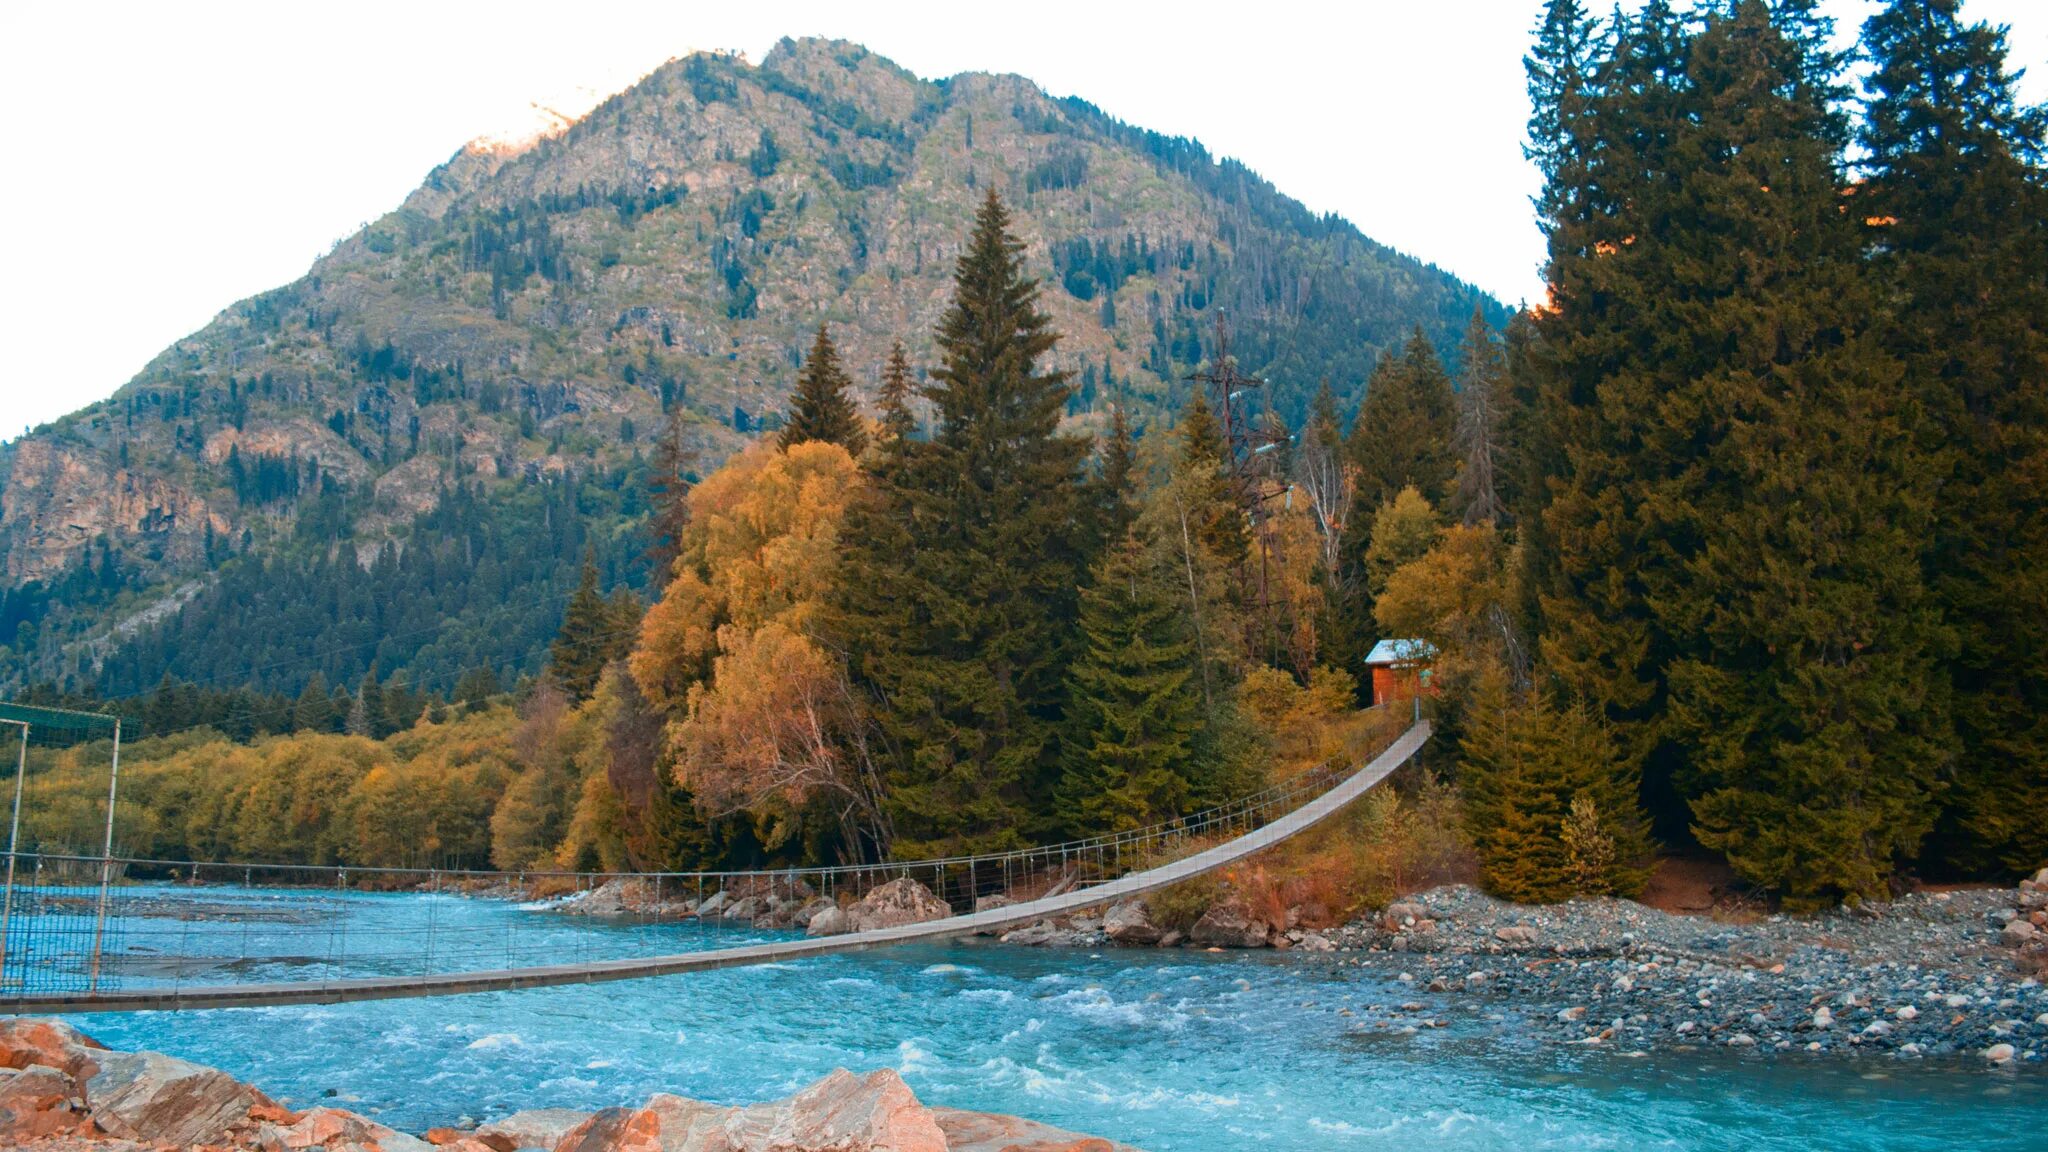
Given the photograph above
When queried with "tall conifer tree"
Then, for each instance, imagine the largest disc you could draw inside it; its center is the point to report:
(1135, 706)
(1479, 424)
(963, 572)
(897, 421)
(1406, 427)
(1957, 210)
(592, 636)
(822, 406)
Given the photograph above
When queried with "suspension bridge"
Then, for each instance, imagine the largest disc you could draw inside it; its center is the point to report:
(105, 934)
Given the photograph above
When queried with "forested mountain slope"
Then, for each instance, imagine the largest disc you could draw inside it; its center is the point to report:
(401, 458)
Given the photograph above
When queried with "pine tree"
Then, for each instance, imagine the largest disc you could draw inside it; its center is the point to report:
(313, 711)
(1955, 204)
(1801, 687)
(1120, 474)
(1479, 424)
(591, 637)
(962, 571)
(1406, 428)
(1213, 510)
(669, 495)
(1135, 707)
(1544, 783)
(822, 406)
(898, 423)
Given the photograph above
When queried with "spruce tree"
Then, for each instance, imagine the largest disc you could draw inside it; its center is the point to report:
(1213, 511)
(1788, 548)
(1525, 763)
(1480, 448)
(962, 574)
(1406, 427)
(898, 423)
(1591, 360)
(313, 711)
(1120, 474)
(1955, 205)
(822, 406)
(1134, 705)
(669, 496)
(591, 637)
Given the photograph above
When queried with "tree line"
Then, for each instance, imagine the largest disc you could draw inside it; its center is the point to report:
(1776, 441)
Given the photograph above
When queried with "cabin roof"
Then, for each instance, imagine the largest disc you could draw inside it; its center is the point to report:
(1388, 652)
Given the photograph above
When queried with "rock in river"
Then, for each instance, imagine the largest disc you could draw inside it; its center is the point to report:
(1130, 922)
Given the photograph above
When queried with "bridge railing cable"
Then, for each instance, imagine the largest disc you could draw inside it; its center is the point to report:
(175, 923)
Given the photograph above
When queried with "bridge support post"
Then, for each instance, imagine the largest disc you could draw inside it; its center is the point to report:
(13, 843)
(99, 921)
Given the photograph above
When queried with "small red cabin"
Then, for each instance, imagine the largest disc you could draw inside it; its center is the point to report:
(1400, 670)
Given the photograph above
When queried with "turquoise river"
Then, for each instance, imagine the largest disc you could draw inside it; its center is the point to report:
(1171, 1051)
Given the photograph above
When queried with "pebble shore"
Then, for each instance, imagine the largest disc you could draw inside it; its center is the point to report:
(1930, 975)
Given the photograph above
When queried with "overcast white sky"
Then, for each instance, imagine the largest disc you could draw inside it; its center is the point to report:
(170, 160)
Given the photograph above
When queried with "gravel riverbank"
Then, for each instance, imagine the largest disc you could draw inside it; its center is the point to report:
(1934, 974)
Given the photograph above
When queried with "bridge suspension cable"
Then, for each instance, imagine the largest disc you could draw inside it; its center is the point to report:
(198, 935)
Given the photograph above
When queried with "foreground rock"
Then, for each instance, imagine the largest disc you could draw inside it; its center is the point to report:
(60, 1091)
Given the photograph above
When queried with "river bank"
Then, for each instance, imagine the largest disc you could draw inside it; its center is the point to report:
(62, 1091)
(1931, 974)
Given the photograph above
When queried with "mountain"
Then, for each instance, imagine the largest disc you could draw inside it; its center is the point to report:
(398, 461)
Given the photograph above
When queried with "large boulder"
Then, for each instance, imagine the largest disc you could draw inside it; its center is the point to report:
(745, 908)
(615, 1130)
(828, 922)
(816, 904)
(36, 1102)
(899, 902)
(1130, 922)
(990, 1132)
(533, 1128)
(1230, 924)
(25, 1043)
(847, 1113)
(841, 1113)
(147, 1096)
(334, 1129)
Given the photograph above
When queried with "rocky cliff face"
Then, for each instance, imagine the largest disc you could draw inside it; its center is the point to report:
(533, 313)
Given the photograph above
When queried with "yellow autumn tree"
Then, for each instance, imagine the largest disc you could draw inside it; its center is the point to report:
(762, 720)
(762, 546)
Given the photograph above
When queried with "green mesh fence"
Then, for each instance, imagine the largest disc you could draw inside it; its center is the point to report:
(55, 926)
